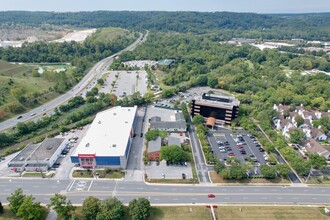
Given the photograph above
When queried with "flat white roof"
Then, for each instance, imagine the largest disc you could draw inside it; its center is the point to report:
(109, 133)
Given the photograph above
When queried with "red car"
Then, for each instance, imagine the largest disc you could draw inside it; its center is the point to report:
(231, 155)
(211, 196)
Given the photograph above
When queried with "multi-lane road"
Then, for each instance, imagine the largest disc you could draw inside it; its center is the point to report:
(78, 190)
(97, 70)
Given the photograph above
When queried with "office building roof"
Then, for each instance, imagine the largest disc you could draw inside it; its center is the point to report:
(215, 99)
(109, 133)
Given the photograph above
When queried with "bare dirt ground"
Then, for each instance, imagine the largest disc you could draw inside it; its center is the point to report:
(16, 36)
(78, 36)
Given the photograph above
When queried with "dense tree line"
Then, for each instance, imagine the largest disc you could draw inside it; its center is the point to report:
(79, 54)
(92, 208)
(308, 26)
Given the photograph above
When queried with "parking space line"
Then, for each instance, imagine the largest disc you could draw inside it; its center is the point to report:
(90, 185)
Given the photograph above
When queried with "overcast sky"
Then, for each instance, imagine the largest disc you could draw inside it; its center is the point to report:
(259, 6)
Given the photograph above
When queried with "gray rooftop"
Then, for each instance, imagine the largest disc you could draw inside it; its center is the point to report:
(173, 141)
(41, 151)
(47, 148)
(154, 145)
(218, 99)
(179, 116)
(168, 125)
(26, 152)
(155, 118)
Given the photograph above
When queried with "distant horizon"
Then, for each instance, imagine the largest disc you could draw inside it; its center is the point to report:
(238, 6)
(264, 13)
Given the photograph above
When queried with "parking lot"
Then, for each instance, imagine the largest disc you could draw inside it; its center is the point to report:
(63, 165)
(242, 145)
(164, 171)
(125, 83)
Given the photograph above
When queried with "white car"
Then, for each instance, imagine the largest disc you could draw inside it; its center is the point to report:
(33, 114)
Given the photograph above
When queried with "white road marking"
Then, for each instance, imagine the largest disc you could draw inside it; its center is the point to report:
(90, 185)
(71, 185)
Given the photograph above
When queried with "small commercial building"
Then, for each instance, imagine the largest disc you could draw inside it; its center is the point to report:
(223, 109)
(154, 149)
(38, 157)
(179, 125)
(108, 140)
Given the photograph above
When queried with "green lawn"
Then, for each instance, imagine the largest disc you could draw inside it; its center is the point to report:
(171, 213)
(319, 180)
(174, 181)
(269, 212)
(110, 34)
(232, 212)
(7, 214)
(86, 174)
(20, 76)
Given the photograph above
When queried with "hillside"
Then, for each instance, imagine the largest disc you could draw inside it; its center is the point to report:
(309, 26)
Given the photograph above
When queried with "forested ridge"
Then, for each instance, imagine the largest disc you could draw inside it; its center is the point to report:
(286, 26)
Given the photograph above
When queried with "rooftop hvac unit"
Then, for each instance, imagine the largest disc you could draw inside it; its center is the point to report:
(87, 145)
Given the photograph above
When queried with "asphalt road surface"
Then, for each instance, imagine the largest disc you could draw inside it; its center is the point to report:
(97, 70)
(202, 169)
(78, 190)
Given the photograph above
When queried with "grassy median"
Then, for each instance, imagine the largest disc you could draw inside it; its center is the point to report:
(277, 181)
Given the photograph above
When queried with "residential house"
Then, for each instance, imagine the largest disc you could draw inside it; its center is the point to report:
(317, 134)
(315, 147)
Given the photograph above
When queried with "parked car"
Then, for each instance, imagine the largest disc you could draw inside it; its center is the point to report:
(231, 154)
(183, 176)
(261, 150)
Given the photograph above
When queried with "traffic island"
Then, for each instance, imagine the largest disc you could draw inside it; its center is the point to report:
(216, 178)
(105, 173)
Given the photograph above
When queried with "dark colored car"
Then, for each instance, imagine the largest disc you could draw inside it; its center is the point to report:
(183, 176)
(19, 117)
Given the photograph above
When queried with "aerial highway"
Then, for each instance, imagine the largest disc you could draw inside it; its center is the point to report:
(78, 190)
(97, 70)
